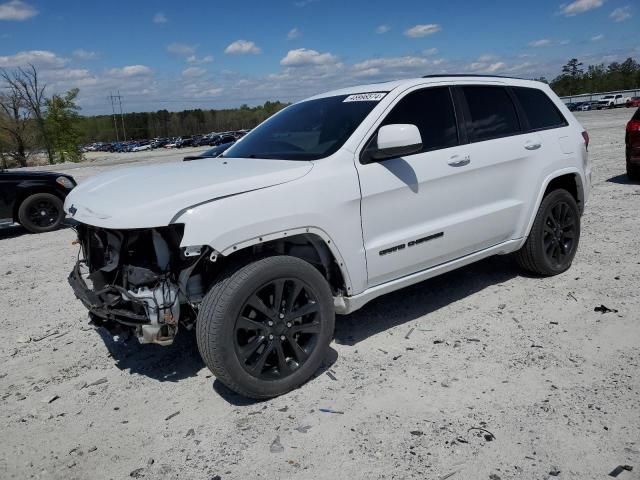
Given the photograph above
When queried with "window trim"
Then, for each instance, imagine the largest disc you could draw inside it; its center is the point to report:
(526, 117)
(362, 157)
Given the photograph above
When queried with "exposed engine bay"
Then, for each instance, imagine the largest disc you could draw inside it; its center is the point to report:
(142, 282)
(139, 280)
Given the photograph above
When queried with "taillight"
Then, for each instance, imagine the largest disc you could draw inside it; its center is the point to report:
(585, 135)
(633, 126)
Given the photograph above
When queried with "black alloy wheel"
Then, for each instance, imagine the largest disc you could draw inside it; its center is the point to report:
(559, 234)
(277, 329)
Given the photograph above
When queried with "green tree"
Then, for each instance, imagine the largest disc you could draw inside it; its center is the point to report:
(61, 123)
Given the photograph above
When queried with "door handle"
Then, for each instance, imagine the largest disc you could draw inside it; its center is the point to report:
(532, 145)
(456, 161)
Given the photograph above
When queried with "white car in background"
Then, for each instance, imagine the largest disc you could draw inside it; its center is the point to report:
(330, 203)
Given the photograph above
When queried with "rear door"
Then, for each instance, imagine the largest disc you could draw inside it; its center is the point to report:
(8, 182)
(451, 199)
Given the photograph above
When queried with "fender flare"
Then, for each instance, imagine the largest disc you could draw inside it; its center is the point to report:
(545, 184)
(290, 232)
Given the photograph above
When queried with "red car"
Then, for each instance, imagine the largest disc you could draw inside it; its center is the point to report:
(633, 102)
(632, 140)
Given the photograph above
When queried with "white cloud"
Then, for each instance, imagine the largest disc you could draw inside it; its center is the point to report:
(303, 57)
(621, 14)
(130, 71)
(242, 47)
(565, 42)
(83, 54)
(399, 65)
(39, 58)
(486, 64)
(182, 49)
(418, 31)
(193, 72)
(544, 42)
(430, 51)
(579, 6)
(195, 60)
(597, 38)
(293, 33)
(17, 10)
(160, 18)
(382, 28)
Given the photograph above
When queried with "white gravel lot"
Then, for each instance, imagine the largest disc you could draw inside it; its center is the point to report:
(416, 372)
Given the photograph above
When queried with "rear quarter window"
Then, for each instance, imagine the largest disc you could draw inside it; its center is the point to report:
(541, 112)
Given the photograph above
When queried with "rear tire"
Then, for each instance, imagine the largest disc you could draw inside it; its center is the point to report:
(264, 328)
(554, 237)
(41, 212)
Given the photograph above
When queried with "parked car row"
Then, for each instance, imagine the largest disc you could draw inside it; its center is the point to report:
(606, 102)
(211, 139)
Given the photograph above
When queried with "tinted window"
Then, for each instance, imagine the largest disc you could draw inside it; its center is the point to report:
(540, 110)
(304, 131)
(492, 112)
(431, 110)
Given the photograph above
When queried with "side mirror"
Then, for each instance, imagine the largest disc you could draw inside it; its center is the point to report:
(396, 140)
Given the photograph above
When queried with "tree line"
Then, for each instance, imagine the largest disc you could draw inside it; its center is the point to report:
(147, 125)
(576, 78)
(31, 122)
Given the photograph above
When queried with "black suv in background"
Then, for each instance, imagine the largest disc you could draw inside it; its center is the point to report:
(33, 199)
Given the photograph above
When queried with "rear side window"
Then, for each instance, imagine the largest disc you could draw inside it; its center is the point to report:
(539, 109)
(492, 112)
(431, 110)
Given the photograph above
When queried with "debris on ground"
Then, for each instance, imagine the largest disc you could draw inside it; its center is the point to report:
(619, 469)
(331, 376)
(100, 381)
(602, 309)
(276, 446)
(50, 399)
(172, 415)
(329, 410)
(417, 433)
(303, 429)
(409, 333)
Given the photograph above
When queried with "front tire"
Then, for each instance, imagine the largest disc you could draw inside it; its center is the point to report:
(265, 328)
(553, 240)
(41, 212)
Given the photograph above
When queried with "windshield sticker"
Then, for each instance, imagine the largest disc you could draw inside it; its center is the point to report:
(365, 97)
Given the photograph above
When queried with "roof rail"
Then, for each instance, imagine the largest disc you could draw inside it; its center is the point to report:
(436, 75)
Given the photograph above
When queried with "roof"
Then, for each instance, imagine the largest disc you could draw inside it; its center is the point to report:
(410, 82)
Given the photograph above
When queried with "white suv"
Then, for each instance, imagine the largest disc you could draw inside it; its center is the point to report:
(332, 202)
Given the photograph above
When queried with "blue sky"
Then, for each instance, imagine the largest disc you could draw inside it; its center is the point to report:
(212, 54)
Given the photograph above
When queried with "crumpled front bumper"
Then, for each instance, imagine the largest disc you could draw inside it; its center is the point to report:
(105, 302)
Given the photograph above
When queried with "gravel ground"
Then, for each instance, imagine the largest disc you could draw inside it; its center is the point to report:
(483, 373)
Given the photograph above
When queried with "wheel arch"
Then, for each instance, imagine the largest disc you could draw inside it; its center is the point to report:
(307, 243)
(568, 179)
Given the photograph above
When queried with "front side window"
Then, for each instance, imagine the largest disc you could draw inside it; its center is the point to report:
(493, 114)
(539, 109)
(305, 131)
(431, 110)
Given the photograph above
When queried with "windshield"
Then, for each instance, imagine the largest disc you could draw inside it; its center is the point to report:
(305, 131)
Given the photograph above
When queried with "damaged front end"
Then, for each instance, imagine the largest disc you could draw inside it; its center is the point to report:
(139, 280)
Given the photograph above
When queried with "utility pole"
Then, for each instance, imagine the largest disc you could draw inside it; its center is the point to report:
(124, 132)
(113, 109)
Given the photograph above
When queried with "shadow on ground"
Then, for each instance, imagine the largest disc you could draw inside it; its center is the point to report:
(623, 179)
(182, 359)
(165, 364)
(423, 298)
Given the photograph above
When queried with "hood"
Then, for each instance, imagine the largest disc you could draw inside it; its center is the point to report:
(150, 196)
